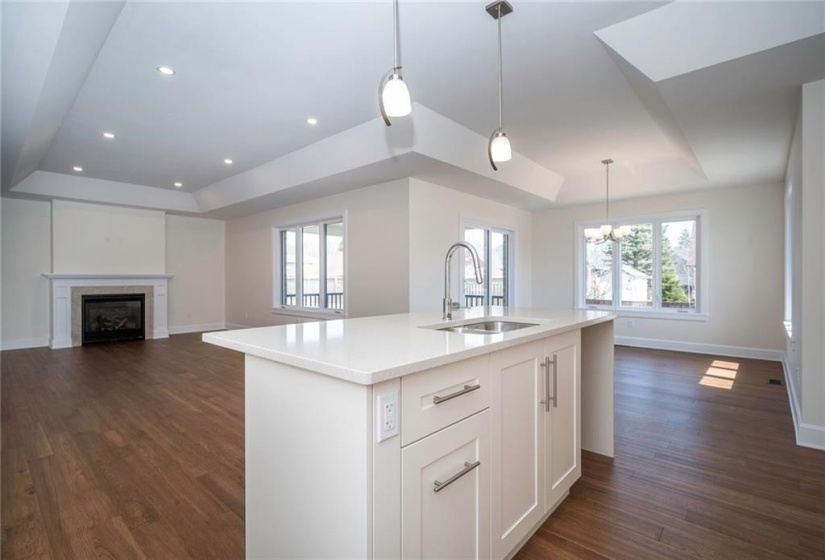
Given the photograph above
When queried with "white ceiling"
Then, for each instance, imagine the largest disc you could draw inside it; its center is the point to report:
(682, 96)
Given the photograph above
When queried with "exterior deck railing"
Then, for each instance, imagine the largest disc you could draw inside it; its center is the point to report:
(334, 300)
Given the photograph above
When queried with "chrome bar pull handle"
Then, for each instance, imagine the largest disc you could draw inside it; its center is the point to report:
(439, 486)
(464, 391)
(547, 398)
(546, 365)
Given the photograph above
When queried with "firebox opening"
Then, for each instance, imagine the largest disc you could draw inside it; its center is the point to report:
(110, 317)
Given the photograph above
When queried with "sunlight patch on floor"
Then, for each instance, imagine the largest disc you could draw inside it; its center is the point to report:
(720, 374)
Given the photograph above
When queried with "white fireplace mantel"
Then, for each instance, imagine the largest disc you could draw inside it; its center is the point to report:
(61, 300)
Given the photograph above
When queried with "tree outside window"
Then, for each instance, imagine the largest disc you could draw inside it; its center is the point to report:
(654, 267)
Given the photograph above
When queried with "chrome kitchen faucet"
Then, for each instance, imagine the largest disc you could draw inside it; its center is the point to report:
(448, 304)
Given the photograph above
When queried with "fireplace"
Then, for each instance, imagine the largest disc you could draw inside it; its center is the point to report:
(110, 317)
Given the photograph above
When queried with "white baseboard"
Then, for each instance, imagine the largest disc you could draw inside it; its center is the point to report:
(235, 326)
(184, 329)
(807, 435)
(21, 343)
(698, 348)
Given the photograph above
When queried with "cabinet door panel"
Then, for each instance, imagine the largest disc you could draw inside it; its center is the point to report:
(453, 522)
(516, 441)
(563, 421)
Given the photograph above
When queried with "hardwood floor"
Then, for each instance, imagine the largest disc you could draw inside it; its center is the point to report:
(136, 450)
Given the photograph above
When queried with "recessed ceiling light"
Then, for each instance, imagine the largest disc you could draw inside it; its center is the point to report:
(227, 161)
(178, 184)
(166, 71)
(109, 135)
(312, 121)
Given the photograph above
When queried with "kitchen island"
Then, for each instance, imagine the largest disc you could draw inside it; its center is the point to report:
(389, 437)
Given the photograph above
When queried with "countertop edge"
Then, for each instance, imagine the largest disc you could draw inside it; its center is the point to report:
(372, 377)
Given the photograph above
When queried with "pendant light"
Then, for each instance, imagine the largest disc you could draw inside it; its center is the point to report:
(498, 148)
(607, 231)
(393, 95)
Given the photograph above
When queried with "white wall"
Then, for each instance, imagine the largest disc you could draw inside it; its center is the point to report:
(195, 252)
(744, 295)
(26, 254)
(436, 214)
(376, 254)
(35, 234)
(813, 255)
(805, 350)
(98, 239)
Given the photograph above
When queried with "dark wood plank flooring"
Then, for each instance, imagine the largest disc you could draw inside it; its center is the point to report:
(136, 450)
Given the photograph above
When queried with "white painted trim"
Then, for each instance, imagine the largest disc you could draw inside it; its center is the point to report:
(20, 343)
(185, 329)
(699, 348)
(807, 435)
(235, 326)
(51, 276)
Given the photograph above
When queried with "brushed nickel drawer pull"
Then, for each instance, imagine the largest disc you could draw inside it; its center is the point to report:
(439, 486)
(464, 391)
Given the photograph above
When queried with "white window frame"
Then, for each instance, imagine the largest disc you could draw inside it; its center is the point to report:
(278, 307)
(656, 311)
(789, 256)
(512, 232)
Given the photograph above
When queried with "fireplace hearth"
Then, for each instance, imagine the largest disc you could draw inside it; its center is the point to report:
(112, 317)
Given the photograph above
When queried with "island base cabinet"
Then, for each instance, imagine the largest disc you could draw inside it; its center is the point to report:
(562, 423)
(445, 498)
(535, 399)
(516, 424)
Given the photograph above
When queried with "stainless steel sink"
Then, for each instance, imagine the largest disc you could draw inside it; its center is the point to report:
(488, 327)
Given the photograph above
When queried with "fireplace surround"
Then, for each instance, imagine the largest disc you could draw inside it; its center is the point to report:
(67, 290)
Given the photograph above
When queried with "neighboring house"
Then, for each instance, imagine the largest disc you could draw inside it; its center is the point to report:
(636, 286)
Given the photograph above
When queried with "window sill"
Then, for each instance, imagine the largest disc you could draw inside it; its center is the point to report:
(309, 313)
(667, 315)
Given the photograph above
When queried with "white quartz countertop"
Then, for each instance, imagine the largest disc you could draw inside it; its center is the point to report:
(369, 350)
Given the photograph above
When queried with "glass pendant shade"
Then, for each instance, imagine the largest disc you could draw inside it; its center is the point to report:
(606, 229)
(396, 97)
(500, 148)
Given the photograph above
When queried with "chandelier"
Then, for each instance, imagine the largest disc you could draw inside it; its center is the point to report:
(606, 231)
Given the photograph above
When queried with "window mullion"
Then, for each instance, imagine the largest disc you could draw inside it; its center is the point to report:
(322, 268)
(617, 275)
(488, 296)
(507, 276)
(299, 267)
(657, 265)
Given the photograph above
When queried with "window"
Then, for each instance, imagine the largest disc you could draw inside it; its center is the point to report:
(311, 266)
(655, 268)
(494, 248)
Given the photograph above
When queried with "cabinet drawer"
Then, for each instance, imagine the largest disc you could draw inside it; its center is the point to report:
(454, 386)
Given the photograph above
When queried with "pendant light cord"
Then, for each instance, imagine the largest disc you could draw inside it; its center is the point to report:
(396, 51)
(607, 201)
(500, 88)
